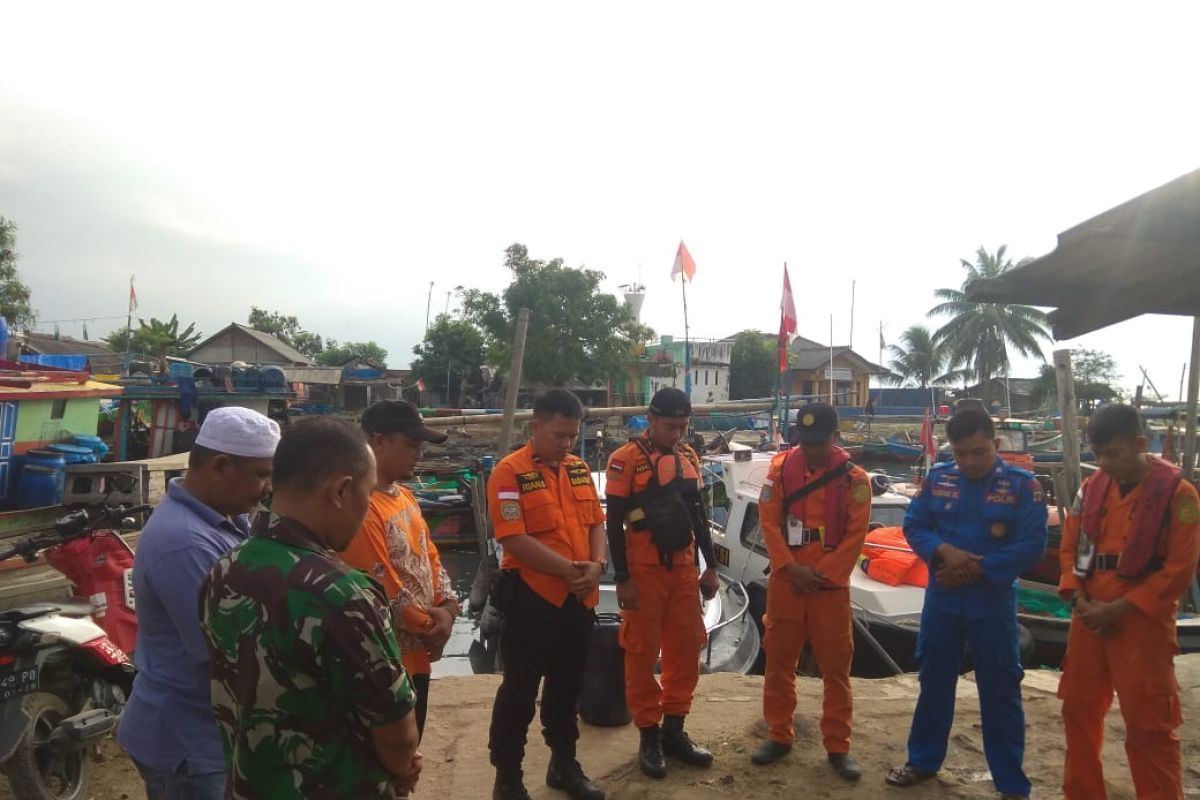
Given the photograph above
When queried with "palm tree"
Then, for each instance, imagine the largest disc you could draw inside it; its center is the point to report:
(919, 360)
(978, 335)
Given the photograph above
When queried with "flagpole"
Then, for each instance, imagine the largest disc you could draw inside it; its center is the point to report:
(831, 360)
(129, 329)
(852, 283)
(687, 346)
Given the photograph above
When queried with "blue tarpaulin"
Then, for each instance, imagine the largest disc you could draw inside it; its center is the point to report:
(77, 363)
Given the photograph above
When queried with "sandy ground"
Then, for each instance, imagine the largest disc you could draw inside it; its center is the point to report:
(727, 718)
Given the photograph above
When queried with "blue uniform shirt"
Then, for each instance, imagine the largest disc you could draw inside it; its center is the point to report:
(169, 718)
(1001, 517)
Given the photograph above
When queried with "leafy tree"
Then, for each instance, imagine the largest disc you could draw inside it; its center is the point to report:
(14, 295)
(978, 335)
(576, 332)
(156, 338)
(753, 365)
(286, 329)
(337, 353)
(1095, 374)
(919, 361)
(451, 353)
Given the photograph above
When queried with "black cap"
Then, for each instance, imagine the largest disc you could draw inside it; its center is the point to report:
(670, 402)
(399, 416)
(814, 423)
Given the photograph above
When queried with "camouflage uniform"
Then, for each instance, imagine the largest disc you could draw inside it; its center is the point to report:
(304, 662)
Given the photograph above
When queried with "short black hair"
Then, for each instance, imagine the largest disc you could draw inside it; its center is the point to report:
(313, 449)
(557, 402)
(967, 422)
(1114, 421)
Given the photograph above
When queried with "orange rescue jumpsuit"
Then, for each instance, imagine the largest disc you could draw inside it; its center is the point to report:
(822, 618)
(1138, 661)
(668, 618)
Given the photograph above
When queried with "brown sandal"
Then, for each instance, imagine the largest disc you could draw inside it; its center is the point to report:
(906, 776)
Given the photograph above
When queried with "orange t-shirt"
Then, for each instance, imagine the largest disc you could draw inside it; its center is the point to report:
(630, 471)
(1155, 593)
(395, 548)
(556, 507)
(835, 564)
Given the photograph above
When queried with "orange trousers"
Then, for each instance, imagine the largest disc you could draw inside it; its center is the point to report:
(668, 619)
(822, 618)
(1139, 664)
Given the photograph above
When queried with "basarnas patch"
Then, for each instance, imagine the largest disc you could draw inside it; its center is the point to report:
(510, 510)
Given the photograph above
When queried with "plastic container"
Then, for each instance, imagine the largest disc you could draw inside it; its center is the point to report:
(73, 453)
(94, 443)
(40, 486)
(602, 697)
(45, 457)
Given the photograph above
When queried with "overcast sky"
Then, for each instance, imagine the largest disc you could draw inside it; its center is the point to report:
(329, 160)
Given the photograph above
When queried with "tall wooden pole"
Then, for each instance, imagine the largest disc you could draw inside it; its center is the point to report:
(514, 384)
(687, 343)
(1189, 442)
(1072, 473)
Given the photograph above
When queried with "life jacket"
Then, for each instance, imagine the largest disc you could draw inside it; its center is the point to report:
(892, 566)
(664, 503)
(1149, 515)
(794, 475)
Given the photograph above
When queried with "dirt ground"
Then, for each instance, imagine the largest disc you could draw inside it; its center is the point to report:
(727, 717)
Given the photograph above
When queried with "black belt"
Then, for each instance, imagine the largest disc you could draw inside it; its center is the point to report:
(808, 536)
(1105, 562)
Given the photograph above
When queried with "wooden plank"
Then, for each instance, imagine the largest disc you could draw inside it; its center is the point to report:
(1072, 474)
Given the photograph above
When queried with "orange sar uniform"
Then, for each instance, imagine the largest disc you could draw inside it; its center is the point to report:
(546, 628)
(822, 617)
(669, 617)
(1138, 661)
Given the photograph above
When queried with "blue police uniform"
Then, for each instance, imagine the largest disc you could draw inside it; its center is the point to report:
(1002, 518)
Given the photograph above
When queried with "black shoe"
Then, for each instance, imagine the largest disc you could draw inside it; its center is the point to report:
(650, 753)
(845, 766)
(677, 744)
(769, 752)
(567, 776)
(509, 788)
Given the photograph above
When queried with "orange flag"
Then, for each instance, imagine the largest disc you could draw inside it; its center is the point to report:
(684, 265)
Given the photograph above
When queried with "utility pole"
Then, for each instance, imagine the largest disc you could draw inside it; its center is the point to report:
(428, 299)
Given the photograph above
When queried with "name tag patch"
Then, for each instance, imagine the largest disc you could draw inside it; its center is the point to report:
(530, 482)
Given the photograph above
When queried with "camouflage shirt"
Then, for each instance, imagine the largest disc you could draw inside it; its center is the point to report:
(304, 663)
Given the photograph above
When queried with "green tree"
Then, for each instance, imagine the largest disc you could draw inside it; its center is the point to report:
(156, 338)
(286, 329)
(337, 353)
(451, 354)
(576, 332)
(753, 365)
(14, 294)
(978, 336)
(919, 361)
(1096, 378)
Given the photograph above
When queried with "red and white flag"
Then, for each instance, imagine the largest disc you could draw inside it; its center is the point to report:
(684, 265)
(787, 320)
(420, 385)
(927, 440)
(132, 297)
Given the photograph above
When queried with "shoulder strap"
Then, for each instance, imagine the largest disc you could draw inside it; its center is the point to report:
(809, 488)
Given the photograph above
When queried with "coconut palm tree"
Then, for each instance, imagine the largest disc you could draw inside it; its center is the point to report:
(978, 336)
(918, 360)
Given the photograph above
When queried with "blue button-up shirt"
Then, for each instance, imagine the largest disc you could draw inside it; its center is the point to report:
(1001, 517)
(169, 718)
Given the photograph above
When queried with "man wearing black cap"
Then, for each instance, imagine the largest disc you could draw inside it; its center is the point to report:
(815, 507)
(655, 520)
(394, 545)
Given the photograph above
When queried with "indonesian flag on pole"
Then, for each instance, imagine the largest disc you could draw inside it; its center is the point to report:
(420, 385)
(927, 440)
(132, 297)
(787, 320)
(684, 265)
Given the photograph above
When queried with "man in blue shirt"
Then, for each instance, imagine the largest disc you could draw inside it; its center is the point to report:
(978, 523)
(168, 726)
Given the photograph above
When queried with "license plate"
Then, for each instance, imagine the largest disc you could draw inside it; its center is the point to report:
(722, 553)
(18, 683)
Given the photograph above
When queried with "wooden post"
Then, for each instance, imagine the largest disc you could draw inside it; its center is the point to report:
(513, 386)
(1189, 441)
(1072, 475)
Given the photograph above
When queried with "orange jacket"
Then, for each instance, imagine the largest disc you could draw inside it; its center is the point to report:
(630, 471)
(893, 566)
(556, 507)
(835, 564)
(394, 547)
(1156, 593)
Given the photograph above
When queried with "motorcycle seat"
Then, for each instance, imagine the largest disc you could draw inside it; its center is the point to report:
(44, 609)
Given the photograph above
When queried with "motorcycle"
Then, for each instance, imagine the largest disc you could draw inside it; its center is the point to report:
(63, 681)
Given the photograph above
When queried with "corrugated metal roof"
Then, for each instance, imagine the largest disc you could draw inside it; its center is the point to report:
(274, 343)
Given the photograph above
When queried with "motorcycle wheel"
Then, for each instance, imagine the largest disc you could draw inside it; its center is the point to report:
(36, 771)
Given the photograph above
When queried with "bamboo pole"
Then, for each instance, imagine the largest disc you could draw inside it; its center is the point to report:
(1189, 442)
(731, 407)
(1072, 474)
(510, 390)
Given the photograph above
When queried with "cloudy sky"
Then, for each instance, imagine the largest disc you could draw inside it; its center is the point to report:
(329, 160)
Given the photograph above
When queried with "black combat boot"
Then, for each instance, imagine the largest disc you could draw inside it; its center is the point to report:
(677, 744)
(509, 786)
(565, 774)
(650, 753)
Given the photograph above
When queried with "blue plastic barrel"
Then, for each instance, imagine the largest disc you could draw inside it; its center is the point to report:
(45, 457)
(74, 454)
(94, 443)
(40, 486)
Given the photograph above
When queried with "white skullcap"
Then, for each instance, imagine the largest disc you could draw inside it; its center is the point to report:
(239, 431)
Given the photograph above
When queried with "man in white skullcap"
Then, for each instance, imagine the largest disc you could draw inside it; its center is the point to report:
(168, 727)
